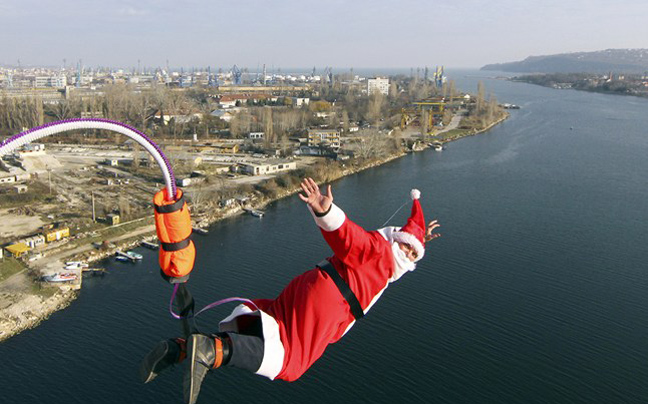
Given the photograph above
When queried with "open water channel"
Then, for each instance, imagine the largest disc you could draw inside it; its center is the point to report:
(536, 293)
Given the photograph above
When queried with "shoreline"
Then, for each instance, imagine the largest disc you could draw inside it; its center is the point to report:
(38, 308)
(586, 90)
(33, 310)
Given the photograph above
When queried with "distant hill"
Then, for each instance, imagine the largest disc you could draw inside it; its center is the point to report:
(616, 60)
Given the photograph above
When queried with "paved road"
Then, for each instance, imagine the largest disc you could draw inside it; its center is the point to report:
(453, 123)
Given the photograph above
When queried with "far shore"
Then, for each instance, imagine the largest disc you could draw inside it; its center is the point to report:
(19, 312)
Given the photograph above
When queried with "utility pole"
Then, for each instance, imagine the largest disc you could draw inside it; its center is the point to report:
(94, 218)
(264, 74)
(49, 178)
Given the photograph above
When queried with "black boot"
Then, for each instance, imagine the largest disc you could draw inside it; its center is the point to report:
(165, 354)
(205, 353)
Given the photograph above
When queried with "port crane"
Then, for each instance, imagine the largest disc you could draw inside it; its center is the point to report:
(236, 75)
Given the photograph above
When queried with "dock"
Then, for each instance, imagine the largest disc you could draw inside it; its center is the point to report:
(127, 256)
(149, 245)
(200, 230)
(92, 270)
(255, 212)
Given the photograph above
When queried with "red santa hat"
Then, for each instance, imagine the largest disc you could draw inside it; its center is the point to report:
(413, 233)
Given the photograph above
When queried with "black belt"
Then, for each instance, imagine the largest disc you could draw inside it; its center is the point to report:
(344, 289)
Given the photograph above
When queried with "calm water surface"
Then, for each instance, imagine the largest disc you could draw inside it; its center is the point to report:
(536, 293)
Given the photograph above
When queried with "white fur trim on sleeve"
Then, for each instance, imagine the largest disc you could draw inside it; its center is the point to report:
(332, 221)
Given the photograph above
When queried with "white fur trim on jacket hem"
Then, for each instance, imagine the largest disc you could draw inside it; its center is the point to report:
(332, 221)
(273, 349)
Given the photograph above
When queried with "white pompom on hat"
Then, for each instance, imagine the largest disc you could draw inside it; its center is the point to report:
(413, 233)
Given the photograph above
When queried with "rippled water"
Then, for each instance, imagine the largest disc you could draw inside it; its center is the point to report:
(536, 293)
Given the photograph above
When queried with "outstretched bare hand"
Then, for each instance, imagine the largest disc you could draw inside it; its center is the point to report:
(429, 236)
(317, 201)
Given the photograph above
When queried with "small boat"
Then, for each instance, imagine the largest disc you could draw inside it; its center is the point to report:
(75, 265)
(257, 213)
(134, 256)
(200, 230)
(149, 245)
(128, 256)
(438, 148)
(60, 277)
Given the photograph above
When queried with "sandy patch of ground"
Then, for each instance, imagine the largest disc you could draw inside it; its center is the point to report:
(14, 225)
(41, 163)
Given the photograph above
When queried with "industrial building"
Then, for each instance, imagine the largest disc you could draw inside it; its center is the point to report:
(261, 169)
(34, 241)
(378, 85)
(325, 137)
(57, 234)
(17, 250)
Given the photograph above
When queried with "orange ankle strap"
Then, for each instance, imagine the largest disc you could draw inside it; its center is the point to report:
(218, 351)
(183, 349)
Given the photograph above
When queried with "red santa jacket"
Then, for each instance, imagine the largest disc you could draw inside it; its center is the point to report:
(310, 312)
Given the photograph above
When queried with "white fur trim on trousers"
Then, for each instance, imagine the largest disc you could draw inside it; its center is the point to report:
(273, 349)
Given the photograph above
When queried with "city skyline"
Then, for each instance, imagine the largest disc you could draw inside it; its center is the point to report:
(284, 34)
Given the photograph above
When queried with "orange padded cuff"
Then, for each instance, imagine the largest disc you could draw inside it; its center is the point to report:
(173, 225)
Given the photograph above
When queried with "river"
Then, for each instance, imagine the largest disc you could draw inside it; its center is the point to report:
(536, 292)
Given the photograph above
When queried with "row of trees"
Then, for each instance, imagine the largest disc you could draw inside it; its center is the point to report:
(117, 102)
(630, 84)
(484, 111)
(145, 109)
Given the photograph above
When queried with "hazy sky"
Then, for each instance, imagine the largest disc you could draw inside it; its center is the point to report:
(304, 33)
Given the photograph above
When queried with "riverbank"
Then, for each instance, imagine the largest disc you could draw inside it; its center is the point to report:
(24, 308)
(589, 82)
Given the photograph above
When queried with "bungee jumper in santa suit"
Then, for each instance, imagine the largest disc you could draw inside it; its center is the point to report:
(281, 338)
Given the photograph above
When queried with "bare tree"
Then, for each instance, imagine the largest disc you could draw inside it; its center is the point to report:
(425, 118)
(452, 89)
(345, 121)
(372, 144)
(199, 197)
(268, 126)
(124, 207)
(374, 108)
(240, 124)
(393, 90)
(61, 110)
(491, 108)
(285, 145)
(289, 120)
(481, 98)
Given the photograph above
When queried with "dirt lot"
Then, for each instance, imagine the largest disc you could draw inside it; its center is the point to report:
(14, 225)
